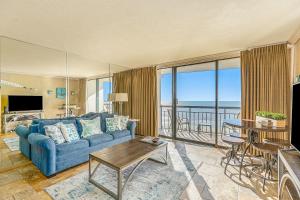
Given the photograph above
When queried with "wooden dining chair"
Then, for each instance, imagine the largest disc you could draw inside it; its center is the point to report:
(269, 160)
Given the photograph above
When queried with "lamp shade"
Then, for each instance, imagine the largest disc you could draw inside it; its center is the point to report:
(118, 97)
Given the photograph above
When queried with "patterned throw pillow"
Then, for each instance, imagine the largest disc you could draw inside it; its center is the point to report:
(90, 127)
(123, 120)
(112, 124)
(54, 132)
(69, 132)
(117, 123)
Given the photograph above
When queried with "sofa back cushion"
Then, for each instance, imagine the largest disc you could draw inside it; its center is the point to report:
(90, 115)
(34, 128)
(35, 121)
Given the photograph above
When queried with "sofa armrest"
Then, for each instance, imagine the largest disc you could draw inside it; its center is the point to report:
(131, 125)
(41, 141)
(22, 131)
(43, 153)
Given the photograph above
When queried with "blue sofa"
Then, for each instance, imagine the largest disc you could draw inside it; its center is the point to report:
(51, 158)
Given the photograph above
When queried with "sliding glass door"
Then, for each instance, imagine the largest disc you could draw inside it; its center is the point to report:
(195, 102)
(165, 97)
(196, 99)
(97, 95)
(229, 93)
(103, 90)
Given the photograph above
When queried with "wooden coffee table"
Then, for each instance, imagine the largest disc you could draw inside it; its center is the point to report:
(122, 156)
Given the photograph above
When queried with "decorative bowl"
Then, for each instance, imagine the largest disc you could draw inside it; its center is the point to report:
(155, 140)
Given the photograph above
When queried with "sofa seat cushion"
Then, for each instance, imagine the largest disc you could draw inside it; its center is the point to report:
(67, 148)
(99, 138)
(119, 134)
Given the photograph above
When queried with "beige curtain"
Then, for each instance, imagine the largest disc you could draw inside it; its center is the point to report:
(141, 86)
(122, 84)
(144, 100)
(266, 82)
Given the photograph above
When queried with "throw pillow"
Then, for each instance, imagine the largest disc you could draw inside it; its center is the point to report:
(54, 132)
(69, 132)
(90, 127)
(123, 120)
(112, 124)
(103, 117)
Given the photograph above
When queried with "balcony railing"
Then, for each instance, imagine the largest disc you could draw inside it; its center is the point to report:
(196, 118)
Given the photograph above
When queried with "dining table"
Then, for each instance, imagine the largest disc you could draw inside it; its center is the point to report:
(253, 129)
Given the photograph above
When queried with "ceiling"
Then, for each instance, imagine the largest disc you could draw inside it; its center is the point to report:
(138, 33)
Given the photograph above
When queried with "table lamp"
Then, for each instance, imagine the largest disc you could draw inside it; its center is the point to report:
(119, 97)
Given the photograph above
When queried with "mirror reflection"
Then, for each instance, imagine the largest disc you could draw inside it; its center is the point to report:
(40, 82)
(33, 82)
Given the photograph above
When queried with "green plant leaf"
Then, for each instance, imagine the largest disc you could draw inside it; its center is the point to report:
(271, 115)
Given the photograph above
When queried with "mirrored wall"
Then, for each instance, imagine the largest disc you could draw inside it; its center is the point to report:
(56, 83)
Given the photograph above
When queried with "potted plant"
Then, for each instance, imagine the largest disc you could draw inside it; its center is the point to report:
(271, 119)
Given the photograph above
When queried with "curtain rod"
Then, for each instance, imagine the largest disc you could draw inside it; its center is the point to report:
(214, 57)
(267, 45)
(200, 59)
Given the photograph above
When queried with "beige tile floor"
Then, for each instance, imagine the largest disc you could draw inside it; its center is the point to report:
(210, 182)
(19, 179)
(203, 137)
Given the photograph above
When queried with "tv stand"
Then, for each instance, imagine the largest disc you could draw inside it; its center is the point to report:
(11, 120)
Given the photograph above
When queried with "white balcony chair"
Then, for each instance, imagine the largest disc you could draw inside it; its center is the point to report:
(202, 124)
(181, 122)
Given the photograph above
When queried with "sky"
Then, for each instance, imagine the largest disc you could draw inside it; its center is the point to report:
(200, 86)
(106, 90)
(197, 86)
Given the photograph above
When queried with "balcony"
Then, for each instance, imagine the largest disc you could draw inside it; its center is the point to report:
(196, 123)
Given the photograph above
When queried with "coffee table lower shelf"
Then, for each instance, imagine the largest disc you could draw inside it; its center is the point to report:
(120, 187)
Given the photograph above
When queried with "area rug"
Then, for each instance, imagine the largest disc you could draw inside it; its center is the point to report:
(150, 181)
(12, 143)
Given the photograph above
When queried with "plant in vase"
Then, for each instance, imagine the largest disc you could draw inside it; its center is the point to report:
(271, 118)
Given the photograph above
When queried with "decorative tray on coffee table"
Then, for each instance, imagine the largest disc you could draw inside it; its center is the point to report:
(152, 140)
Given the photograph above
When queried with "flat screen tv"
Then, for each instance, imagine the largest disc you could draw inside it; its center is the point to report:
(295, 139)
(24, 103)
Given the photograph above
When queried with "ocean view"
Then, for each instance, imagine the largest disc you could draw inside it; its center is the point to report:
(210, 103)
(205, 112)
